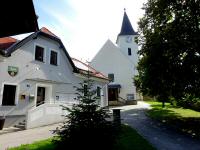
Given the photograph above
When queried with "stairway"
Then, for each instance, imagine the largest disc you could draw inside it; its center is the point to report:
(14, 124)
(116, 103)
(21, 125)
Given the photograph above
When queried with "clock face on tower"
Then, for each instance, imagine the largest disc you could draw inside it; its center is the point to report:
(129, 39)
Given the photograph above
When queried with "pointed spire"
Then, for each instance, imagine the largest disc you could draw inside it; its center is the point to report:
(126, 28)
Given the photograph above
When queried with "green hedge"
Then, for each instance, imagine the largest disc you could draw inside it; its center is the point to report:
(189, 102)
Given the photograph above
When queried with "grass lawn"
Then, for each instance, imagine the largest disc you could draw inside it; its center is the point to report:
(185, 120)
(129, 139)
(40, 145)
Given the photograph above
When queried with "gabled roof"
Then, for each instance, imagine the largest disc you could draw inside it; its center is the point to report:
(83, 68)
(45, 30)
(42, 32)
(113, 49)
(126, 28)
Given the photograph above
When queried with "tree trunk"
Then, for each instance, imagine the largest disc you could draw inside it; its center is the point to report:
(163, 104)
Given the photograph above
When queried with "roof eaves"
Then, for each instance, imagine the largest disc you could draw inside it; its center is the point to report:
(18, 44)
(55, 38)
(10, 50)
(92, 75)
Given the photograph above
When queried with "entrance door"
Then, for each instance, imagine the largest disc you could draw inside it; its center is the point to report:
(9, 92)
(40, 96)
(112, 94)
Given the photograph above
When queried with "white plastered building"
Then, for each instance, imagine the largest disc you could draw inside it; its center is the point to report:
(119, 62)
(37, 75)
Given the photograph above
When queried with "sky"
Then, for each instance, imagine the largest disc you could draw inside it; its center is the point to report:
(85, 25)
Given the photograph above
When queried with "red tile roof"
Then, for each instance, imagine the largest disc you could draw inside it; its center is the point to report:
(47, 31)
(85, 67)
(7, 42)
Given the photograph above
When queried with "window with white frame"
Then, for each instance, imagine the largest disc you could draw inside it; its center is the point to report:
(39, 53)
(54, 58)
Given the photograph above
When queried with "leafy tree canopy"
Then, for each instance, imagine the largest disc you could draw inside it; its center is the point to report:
(169, 37)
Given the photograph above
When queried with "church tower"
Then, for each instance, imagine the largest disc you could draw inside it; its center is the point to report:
(118, 61)
(125, 40)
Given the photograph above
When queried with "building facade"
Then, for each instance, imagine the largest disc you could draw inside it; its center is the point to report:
(37, 75)
(119, 62)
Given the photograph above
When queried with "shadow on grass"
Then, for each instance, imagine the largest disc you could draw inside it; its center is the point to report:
(188, 125)
(129, 139)
(157, 113)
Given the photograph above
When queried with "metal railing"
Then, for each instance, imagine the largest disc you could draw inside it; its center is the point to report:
(40, 103)
(121, 99)
(8, 112)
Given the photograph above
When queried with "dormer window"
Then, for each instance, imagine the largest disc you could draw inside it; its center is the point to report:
(39, 53)
(54, 58)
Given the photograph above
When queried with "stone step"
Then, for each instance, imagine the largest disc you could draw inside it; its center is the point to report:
(23, 127)
(22, 123)
(13, 120)
(9, 130)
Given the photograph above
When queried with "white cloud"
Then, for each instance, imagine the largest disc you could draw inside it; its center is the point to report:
(88, 24)
(97, 21)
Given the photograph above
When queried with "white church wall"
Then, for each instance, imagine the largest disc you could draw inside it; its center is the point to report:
(124, 45)
(110, 60)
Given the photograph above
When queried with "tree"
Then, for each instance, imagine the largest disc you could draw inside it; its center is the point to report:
(170, 49)
(87, 126)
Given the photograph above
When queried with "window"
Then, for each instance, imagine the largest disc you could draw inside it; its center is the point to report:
(129, 51)
(130, 96)
(111, 77)
(98, 91)
(9, 92)
(54, 58)
(57, 97)
(39, 53)
(85, 89)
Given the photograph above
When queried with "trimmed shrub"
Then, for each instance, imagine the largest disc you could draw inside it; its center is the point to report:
(189, 102)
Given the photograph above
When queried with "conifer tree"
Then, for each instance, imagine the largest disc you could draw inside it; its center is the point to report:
(87, 125)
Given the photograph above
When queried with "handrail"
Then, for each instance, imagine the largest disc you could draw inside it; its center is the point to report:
(37, 105)
(124, 100)
(47, 113)
(40, 103)
(10, 111)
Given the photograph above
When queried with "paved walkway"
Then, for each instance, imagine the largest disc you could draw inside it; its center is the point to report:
(26, 136)
(162, 138)
(159, 136)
